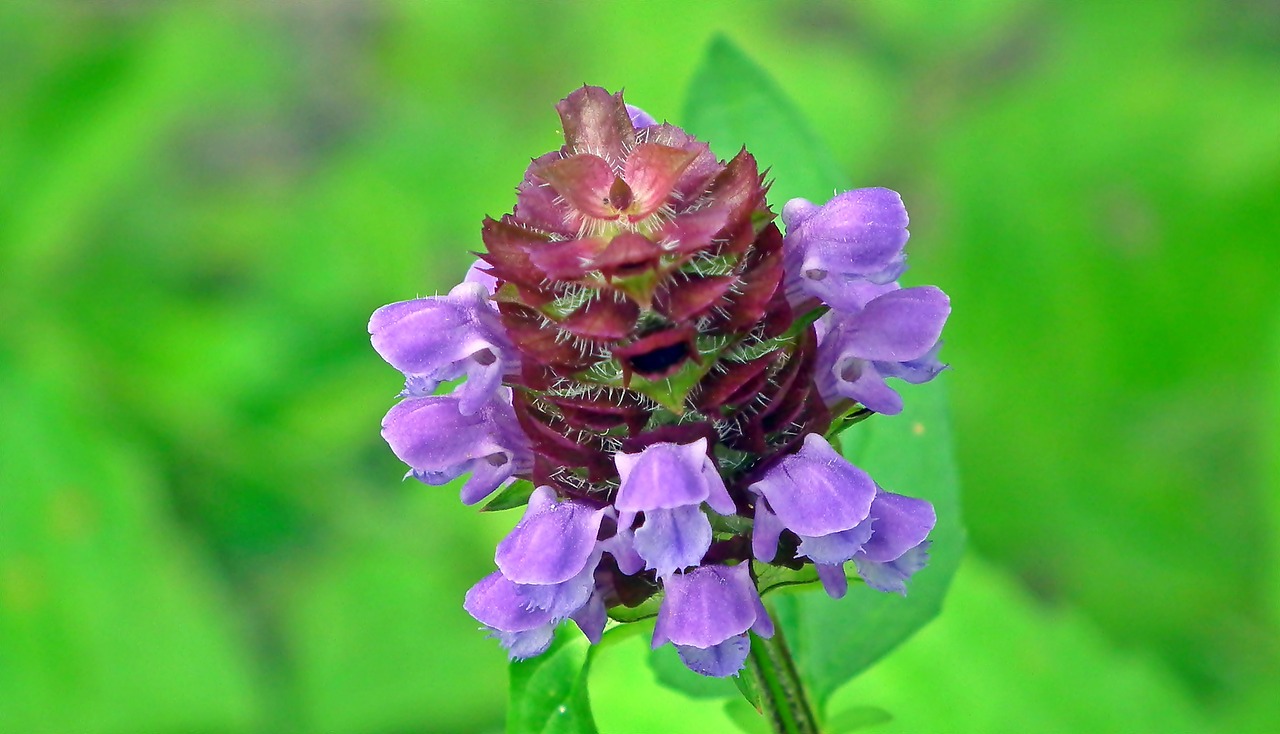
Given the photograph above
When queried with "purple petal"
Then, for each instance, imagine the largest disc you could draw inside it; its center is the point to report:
(487, 474)
(622, 546)
(836, 547)
(528, 643)
(796, 211)
(479, 274)
(897, 327)
(662, 476)
(765, 533)
(815, 491)
(860, 232)
(562, 599)
(858, 379)
(893, 575)
(551, 543)
(717, 494)
(901, 523)
(673, 539)
(432, 435)
(916, 371)
(640, 118)
(763, 625)
(419, 386)
(484, 371)
(420, 336)
(591, 618)
(834, 582)
(497, 603)
(849, 293)
(717, 661)
(707, 606)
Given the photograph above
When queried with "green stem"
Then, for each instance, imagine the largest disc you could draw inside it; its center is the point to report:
(782, 698)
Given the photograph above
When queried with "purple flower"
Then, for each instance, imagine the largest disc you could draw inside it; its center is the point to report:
(818, 495)
(441, 443)
(840, 515)
(432, 340)
(706, 615)
(552, 542)
(857, 236)
(896, 549)
(497, 603)
(894, 334)
(546, 568)
(668, 482)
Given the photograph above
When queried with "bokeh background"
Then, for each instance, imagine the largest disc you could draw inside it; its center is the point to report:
(201, 203)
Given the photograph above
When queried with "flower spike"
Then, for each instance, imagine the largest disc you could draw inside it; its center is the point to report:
(644, 354)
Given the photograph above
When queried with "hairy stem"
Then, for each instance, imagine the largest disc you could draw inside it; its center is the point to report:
(782, 697)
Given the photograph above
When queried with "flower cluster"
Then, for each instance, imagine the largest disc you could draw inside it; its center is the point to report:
(644, 358)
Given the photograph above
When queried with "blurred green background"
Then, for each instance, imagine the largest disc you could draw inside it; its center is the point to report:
(201, 203)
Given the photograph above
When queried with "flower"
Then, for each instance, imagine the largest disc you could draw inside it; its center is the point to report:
(818, 495)
(706, 616)
(668, 482)
(441, 442)
(893, 334)
(856, 237)
(644, 354)
(546, 573)
(432, 340)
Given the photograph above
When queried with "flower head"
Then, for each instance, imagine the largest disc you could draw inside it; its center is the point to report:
(638, 342)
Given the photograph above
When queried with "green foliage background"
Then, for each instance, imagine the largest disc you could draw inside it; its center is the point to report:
(201, 203)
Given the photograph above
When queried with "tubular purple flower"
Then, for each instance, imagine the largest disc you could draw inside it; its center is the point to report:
(497, 604)
(894, 550)
(706, 615)
(565, 598)
(546, 573)
(441, 338)
(591, 618)
(895, 334)
(900, 523)
(818, 495)
(527, 630)
(440, 443)
(552, 543)
(857, 235)
(668, 482)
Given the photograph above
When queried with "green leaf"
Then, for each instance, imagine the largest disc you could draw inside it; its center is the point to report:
(735, 103)
(999, 663)
(645, 610)
(549, 692)
(514, 495)
(671, 672)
